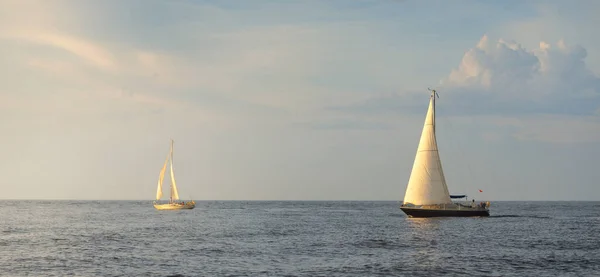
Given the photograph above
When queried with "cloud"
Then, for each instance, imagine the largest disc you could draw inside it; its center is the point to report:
(505, 78)
(509, 69)
(553, 21)
(88, 51)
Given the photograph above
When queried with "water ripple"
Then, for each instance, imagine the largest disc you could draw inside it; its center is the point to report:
(275, 238)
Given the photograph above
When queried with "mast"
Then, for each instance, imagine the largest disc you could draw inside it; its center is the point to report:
(433, 95)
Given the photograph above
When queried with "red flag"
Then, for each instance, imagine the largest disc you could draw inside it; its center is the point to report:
(480, 190)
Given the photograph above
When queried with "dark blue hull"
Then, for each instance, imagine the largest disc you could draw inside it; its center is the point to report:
(420, 212)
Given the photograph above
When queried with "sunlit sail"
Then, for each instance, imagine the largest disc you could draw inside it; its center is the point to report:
(427, 193)
(173, 203)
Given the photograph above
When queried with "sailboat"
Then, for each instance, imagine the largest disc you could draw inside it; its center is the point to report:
(427, 193)
(173, 203)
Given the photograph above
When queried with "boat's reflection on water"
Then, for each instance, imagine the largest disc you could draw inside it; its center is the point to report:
(425, 234)
(423, 225)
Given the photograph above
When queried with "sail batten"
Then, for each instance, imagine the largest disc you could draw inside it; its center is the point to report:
(427, 184)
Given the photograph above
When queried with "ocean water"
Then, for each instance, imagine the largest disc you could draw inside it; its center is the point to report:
(239, 238)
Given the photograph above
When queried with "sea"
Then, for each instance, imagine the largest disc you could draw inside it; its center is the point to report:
(295, 238)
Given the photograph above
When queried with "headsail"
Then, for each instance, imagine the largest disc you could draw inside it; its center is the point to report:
(161, 177)
(427, 184)
(174, 193)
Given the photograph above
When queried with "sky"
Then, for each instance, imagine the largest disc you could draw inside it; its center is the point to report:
(298, 100)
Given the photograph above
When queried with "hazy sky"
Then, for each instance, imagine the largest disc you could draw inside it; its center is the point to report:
(298, 100)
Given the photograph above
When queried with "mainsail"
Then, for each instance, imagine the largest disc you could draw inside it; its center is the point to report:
(427, 184)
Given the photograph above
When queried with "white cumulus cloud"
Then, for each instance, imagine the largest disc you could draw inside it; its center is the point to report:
(553, 78)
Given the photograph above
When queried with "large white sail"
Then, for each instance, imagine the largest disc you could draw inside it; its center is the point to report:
(161, 177)
(174, 193)
(427, 184)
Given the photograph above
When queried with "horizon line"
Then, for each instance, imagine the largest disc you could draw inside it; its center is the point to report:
(273, 200)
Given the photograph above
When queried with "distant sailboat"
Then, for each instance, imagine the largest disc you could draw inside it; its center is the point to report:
(172, 205)
(427, 193)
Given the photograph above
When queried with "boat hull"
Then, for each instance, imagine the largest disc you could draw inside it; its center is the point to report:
(424, 212)
(174, 206)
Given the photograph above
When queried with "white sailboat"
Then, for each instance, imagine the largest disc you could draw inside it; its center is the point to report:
(173, 203)
(427, 193)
